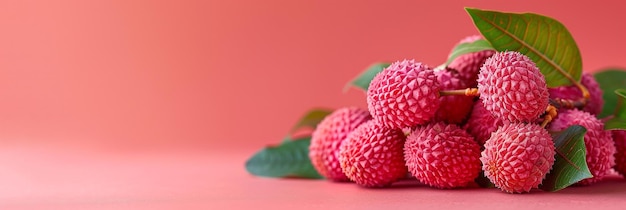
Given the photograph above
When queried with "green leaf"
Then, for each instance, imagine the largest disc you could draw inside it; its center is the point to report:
(570, 165)
(311, 119)
(468, 47)
(619, 117)
(290, 159)
(363, 80)
(610, 80)
(545, 40)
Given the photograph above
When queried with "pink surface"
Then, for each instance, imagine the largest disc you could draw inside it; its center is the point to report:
(155, 104)
(37, 178)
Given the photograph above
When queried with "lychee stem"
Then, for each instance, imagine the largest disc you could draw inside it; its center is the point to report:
(567, 103)
(551, 113)
(584, 92)
(583, 89)
(463, 92)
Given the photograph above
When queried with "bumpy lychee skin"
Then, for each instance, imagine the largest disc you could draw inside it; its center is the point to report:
(403, 95)
(619, 137)
(482, 123)
(372, 155)
(328, 136)
(455, 108)
(599, 142)
(442, 156)
(518, 156)
(512, 88)
(594, 106)
(469, 64)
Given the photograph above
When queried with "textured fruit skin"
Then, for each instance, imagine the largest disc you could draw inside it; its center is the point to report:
(512, 88)
(594, 106)
(372, 155)
(455, 108)
(442, 156)
(405, 94)
(468, 65)
(619, 137)
(599, 142)
(481, 123)
(328, 136)
(518, 156)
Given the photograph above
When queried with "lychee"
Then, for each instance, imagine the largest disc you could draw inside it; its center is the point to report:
(619, 137)
(405, 94)
(442, 156)
(469, 64)
(481, 123)
(454, 108)
(595, 103)
(372, 155)
(328, 136)
(518, 156)
(599, 143)
(512, 87)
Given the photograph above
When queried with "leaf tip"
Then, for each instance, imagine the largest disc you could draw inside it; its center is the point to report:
(346, 88)
(471, 10)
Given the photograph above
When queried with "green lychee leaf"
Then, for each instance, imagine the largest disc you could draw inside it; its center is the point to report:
(544, 40)
(570, 165)
(468, 47)
(610, 80)
(289, 159)
(311, 119)
(362, 81)
(618, 121)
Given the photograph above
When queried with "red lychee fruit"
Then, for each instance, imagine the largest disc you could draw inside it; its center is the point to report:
(518, 156)
(512, 88)
(442, 156)
(372, 155)
(469, 64)
(595, 103)
(482, 123)
(405, 94)
(454, 108)
(619, 137)
(328, 136)
(599, 143)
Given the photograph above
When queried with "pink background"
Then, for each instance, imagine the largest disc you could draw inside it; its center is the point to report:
(212, 77)
(206, 74)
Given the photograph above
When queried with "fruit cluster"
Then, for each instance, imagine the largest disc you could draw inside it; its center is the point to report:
(487, 111)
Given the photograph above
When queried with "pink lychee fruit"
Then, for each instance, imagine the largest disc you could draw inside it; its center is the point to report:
(405, 94)
(442, 156)
(518, 156)
(512, 88)
(328, 136)
(454, 108)
(619, 137)
(599, 142)
(372, 155)
(595, 103)
(469, 64)
(482, 123)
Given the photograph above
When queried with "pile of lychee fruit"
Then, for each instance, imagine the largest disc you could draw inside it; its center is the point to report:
(486, 114)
